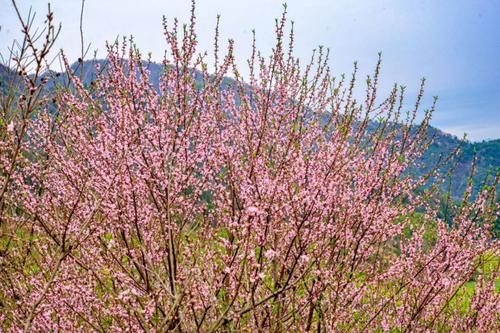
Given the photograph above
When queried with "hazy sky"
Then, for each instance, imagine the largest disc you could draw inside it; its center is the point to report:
(455, 44)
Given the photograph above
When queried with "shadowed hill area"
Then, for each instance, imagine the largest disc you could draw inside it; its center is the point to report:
(485, 153)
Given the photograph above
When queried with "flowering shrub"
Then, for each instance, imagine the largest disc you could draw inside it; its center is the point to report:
(267, 205)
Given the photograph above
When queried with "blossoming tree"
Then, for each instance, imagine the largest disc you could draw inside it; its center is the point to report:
(269, 204)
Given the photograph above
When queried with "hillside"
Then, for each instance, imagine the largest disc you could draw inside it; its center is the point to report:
(487, 153)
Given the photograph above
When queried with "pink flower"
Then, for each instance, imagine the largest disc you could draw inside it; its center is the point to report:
(10, 127)
(252, 210)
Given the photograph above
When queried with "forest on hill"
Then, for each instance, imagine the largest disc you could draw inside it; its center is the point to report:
(476, 161)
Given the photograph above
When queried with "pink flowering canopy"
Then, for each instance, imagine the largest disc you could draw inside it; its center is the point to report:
(216, 205)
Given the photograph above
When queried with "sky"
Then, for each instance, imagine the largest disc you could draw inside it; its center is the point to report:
(454, 44)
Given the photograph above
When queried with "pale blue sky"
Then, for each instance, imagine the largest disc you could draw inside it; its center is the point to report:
(455, 44)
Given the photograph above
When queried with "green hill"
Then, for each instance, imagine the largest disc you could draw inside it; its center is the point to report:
(485, 153)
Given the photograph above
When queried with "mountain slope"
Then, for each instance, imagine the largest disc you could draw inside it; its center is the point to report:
(485, 153)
